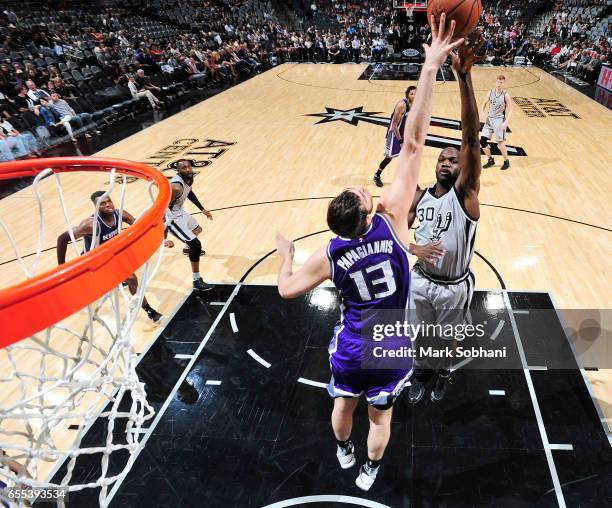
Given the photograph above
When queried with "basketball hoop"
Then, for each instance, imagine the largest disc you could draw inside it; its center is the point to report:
(66, 356)
(410, 6)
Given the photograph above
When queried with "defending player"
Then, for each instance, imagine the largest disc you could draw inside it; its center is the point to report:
(394, 132)
(183, 225)
(369, 277)
(500, 111)
(448, 212)
(108, 222)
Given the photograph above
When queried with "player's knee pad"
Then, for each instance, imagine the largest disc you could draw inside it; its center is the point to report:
(484, 142)
(195, 249)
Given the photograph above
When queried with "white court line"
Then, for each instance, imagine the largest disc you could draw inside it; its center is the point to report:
(217, 303)
(213, 382)
(493, 336)
(497, 392)
(497, 330)
(536, 406)
(520, 311)
(330, 498)
(312, 383)
(558, 446)
(233, 322)
(141, 355)
(258, 358)
(181, 356)
(170, 397)
(537, 367)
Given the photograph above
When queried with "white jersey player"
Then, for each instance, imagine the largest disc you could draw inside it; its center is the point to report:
(500, 109)
(448, 212)
(182, 224)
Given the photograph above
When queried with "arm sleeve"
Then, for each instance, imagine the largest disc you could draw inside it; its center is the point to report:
(194, 199)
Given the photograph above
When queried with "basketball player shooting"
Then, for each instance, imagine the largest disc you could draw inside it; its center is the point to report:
(394, 138)
(448, 212)
(368, 277)
(108, 222)
(500, 111)
(183, 225)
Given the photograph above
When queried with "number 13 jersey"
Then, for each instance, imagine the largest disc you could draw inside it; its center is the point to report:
(371, 272)
(445, 219)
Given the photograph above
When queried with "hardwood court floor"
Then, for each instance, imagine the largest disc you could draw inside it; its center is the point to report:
(266, 165)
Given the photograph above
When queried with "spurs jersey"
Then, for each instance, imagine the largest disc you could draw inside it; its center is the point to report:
(103, 232)
(176, 206)
(497, 105)
(445, 219)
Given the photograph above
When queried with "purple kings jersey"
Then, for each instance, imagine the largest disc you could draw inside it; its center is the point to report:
(370, 272)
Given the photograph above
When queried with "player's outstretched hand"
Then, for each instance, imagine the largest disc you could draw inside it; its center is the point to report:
(208, 214)
(464, 57)
(429, 253)
(283, 246)
(168, 243)
(441, 41)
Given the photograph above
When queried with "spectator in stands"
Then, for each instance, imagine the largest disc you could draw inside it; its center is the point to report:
(139, 93)
(62, 110)
(35, 93)
(22, 101)
(65, 90)
(24, 142)
(144, 83)
(356, 46)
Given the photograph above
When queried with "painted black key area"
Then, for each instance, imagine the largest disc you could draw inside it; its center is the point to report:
(249, 424)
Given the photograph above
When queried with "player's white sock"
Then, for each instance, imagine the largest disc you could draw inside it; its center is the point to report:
(196, 275)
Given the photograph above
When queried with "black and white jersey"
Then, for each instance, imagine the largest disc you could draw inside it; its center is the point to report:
(176, 205)
(445, 219)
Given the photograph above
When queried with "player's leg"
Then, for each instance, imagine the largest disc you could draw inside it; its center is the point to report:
(421, 313)
(132, 284)
(385, 162)
(378, 438)
(342, 425)
(389, 142)
(500, 134)
(184, 227)
(384, 388)
(196, 232)
(485, 135)
(453, 302)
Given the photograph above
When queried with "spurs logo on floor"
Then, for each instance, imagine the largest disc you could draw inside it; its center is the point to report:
(541, 108)
(356, 115)
(200, 153)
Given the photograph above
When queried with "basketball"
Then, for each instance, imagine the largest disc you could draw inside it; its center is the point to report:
(466, 14)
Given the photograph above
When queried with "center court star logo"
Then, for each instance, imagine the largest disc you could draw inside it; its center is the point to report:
(355, 115)
(352, 116)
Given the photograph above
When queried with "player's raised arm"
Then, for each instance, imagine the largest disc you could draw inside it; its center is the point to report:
(83, 229)
(468, 182)
(315, 271)
(396, 201)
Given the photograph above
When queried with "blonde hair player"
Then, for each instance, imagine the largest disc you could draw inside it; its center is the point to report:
(500, 111)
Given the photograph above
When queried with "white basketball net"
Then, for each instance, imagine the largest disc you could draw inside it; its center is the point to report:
(57, 383)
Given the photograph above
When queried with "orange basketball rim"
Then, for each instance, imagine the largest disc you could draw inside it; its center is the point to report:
(45, 299)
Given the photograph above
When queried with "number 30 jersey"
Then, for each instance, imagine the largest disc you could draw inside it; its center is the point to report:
(371, 272)
(445, 219)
